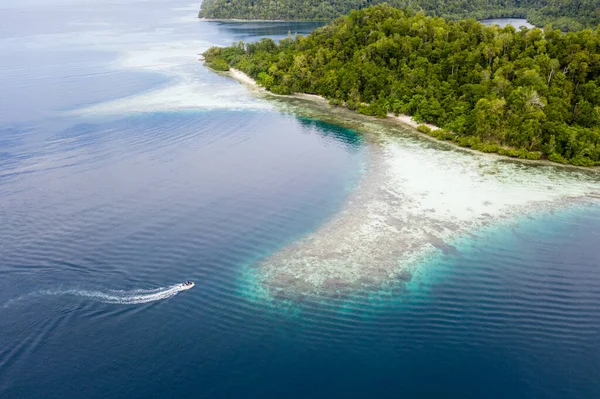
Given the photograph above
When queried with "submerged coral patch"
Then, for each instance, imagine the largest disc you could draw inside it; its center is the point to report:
(414, 200)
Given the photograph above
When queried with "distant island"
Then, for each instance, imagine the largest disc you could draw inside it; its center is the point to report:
(529, 94)
(566, 15)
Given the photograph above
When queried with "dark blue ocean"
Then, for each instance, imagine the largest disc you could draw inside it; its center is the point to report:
(126, 167)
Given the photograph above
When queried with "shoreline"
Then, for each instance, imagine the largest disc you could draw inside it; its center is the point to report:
(402, 119)
(244, 78)
(328, 20)
(244, 20)
(415, 199)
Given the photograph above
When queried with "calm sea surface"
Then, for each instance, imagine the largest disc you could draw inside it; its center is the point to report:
(126, 167)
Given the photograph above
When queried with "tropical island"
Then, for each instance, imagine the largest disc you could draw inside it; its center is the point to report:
(566, 15)
(530, 93)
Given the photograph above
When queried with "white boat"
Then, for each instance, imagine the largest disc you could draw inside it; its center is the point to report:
(186, 285)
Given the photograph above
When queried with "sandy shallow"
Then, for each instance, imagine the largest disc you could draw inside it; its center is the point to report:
(414, 200)
(416, 197)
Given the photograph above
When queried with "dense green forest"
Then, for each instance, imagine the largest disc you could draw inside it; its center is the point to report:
(526, 93)
(566, 15)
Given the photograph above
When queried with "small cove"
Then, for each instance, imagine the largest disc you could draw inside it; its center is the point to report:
(517, 23)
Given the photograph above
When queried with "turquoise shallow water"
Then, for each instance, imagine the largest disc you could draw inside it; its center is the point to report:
(176, 173)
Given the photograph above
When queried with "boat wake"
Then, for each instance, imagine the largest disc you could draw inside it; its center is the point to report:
(119, 297)
(128, 297)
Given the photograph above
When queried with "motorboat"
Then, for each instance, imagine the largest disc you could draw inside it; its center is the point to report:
(186, 285)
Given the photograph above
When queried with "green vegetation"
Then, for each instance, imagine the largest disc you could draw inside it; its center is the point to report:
(563, 14)
(217, 63)
(518, 93)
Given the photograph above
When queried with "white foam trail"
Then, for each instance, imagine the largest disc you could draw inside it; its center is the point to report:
(125, 297)
(118, 297)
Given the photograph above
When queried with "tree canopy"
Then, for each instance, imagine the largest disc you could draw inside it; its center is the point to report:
(521, 93)
(563, 14)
